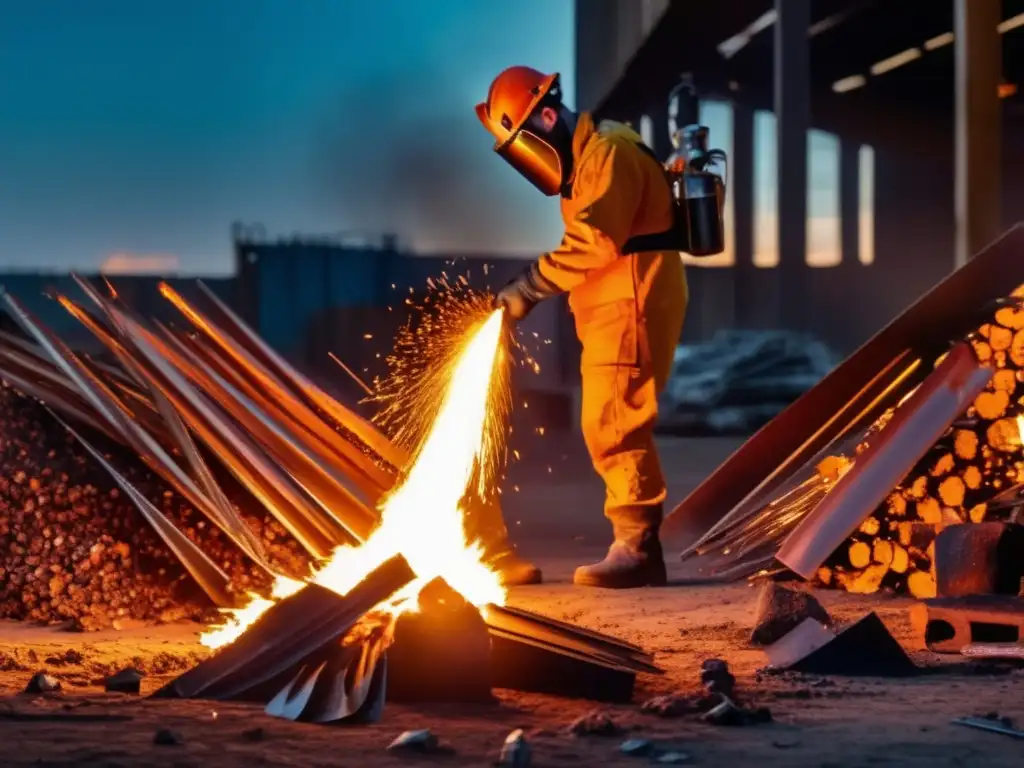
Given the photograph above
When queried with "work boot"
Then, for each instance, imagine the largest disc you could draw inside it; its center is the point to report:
(515, 570)
(632, 561)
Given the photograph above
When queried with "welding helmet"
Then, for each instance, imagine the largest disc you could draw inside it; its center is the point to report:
(513, 98)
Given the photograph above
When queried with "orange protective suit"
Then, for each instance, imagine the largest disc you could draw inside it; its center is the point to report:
(629, 312)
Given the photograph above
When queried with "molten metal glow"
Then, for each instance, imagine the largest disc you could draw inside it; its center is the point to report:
(239, 619)
(422, 519)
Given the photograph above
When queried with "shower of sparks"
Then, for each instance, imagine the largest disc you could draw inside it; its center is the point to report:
(423, 519)
(426, 350)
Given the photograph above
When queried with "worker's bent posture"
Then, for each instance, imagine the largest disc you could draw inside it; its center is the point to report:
(628, 308)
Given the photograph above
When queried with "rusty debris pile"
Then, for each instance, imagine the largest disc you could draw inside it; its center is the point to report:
(74, 546)
(244, 473)
(162, 422)
(914, 433)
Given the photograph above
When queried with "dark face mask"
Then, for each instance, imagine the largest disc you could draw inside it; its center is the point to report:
(543, 158)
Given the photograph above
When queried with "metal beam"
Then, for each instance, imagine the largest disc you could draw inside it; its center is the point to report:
(741, 179)
(849, 202)
(659, 124)
(793, 112)
(978, 70)
(784, 445)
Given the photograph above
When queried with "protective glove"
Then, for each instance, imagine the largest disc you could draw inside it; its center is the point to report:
(514, 300)
(524, 292)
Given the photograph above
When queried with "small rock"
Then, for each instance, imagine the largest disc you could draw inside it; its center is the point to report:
(415, 741)
(254, 734)
(126, 681)
(673, 758)
(786, 743)
(595, 724)
(675, 705)
(727, 713)
(780, 610)
(716, 678)
(1001, 719)
(165, 737)
(70, 656)
(637, 747)
(516, 752)
(42, 683)
(9, 663)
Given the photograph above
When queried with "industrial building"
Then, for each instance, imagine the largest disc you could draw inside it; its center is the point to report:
(872, 145)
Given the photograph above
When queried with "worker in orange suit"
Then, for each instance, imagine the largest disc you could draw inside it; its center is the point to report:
(628, 306)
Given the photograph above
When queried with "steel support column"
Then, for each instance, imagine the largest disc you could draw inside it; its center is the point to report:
(978, 51)
(849, 202)
(741, 181)
(792, 110)
(658, 113)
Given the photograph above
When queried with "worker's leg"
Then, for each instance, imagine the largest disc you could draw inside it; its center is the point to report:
(628, 350)
(618, 416)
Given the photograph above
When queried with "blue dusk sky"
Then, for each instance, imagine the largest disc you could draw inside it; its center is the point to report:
(133, 133)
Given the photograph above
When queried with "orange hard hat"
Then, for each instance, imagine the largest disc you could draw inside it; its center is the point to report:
(512, 98)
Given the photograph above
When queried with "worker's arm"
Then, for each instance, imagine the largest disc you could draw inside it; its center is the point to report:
(608, 188)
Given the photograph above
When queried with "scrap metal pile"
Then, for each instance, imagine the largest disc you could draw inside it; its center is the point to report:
(161, 406)
(888, 450)
(377, 563)
(74, 546)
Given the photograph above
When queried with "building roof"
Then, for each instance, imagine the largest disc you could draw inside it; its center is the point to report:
(864, 54)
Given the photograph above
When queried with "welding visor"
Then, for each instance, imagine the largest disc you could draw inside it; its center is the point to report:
(535, 159)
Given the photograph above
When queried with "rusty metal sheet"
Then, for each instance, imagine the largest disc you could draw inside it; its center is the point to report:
(595, 647)
(884, 391)
(315, 471)
(155, 456)
(813, 421)
(376, 440)
(274, 387)
(891, 454)
(522, 663)
(246, 460)
(344, 682)
(95, 391)
(286, 636)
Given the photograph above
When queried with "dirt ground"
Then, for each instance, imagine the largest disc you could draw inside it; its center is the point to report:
(557, 520)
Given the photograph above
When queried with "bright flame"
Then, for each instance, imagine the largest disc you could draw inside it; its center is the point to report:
(423, 518)
(239, 619)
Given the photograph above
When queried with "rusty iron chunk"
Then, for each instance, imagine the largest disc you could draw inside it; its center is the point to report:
(979, 559)
(441, 653)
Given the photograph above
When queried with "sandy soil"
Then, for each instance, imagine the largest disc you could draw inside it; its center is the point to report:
(822, 722)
